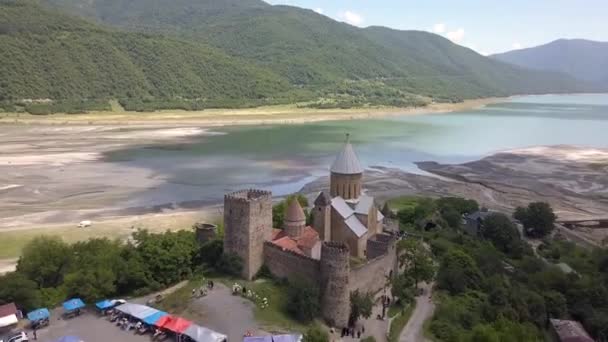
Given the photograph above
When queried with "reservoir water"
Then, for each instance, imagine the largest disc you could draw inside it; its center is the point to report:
(283, 158)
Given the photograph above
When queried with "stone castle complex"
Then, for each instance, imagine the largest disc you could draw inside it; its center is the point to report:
(346, 228)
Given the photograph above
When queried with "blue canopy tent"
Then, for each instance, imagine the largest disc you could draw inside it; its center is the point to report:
(73, 304)
(152, 319)
(69, 339)
(104, 304)
(38, 315)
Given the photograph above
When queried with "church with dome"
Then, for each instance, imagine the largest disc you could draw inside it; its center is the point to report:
(347, 214)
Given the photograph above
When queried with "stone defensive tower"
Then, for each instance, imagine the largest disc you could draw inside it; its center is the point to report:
(335, 294)
(247, 225)
(346, 174)
(205, 232)
(321, 216)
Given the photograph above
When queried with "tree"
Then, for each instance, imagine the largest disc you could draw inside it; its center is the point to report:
(315, 334)
(460, 205)
(416, 259)
(94, 271)
(557, 306)
(425, 208)
(361, 305)
(230, 264)
(211, 252)
(16, 287)
(45, 260)
(168, 256)
(452, 217)
(458, 272)
(303, 301)
(503, 234)
(402, 287)
(538, 219)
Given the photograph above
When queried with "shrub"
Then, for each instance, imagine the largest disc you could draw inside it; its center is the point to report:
(303, 301)
(230, 264)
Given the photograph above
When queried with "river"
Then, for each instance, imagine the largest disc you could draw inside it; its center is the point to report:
(283, 158)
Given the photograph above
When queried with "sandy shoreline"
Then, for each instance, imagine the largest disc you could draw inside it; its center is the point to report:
(228, 117)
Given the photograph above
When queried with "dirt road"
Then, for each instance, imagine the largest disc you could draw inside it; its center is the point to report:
(413, 331)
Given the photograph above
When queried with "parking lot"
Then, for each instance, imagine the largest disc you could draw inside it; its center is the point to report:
(89, 326)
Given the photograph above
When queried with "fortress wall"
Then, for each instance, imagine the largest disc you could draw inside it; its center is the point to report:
(376, 249)
(371, 276)
(290, 265)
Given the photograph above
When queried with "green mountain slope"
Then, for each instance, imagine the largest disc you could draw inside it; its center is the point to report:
(50, 55)
(313, 50)
(441, 67)
(583, 59)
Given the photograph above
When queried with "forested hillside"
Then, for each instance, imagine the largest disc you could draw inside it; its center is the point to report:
(49, 55)
(583, 59)
(209, 53)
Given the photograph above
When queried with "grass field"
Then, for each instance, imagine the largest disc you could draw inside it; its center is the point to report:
(277, 113)
(13, 241)
(404, 202)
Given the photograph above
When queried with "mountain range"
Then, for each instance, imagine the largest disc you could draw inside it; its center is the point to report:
(223, 53)
(584, 59)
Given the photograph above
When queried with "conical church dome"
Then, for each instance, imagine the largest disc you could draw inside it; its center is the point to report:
(295, 213)
(347, 162)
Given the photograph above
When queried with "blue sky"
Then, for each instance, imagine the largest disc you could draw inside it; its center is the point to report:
(487, 26)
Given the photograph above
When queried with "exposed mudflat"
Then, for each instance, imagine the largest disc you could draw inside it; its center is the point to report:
(54, 174)
(572, 179)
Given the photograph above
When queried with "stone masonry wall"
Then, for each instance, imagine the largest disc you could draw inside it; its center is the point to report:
(376, 249)
(290, 265)
(371, 276)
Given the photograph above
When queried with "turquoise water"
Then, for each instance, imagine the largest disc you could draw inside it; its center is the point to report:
(283, 158)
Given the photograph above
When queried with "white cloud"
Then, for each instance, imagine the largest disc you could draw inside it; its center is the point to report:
(516, 46)
(351, 18)
(456, 36)
(439, 28)
(318, 10)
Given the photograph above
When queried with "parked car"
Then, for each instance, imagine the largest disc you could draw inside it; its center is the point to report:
(18, 337)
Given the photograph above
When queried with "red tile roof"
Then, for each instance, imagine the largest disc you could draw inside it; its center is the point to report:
(307, 240)
(8, 309)
(288, 243)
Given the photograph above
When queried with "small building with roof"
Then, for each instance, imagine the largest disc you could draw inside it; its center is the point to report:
(296, 236)
(9, 315)
(569, 331)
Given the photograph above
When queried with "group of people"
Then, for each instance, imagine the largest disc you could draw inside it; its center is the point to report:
(202, 291)
(127, 323)
(352, 332)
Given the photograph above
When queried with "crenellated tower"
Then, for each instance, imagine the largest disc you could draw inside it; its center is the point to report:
(247, 225)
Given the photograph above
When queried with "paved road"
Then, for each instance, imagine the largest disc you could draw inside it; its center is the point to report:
(413, 331)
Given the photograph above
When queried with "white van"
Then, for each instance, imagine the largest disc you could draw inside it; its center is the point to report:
(84, 224)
